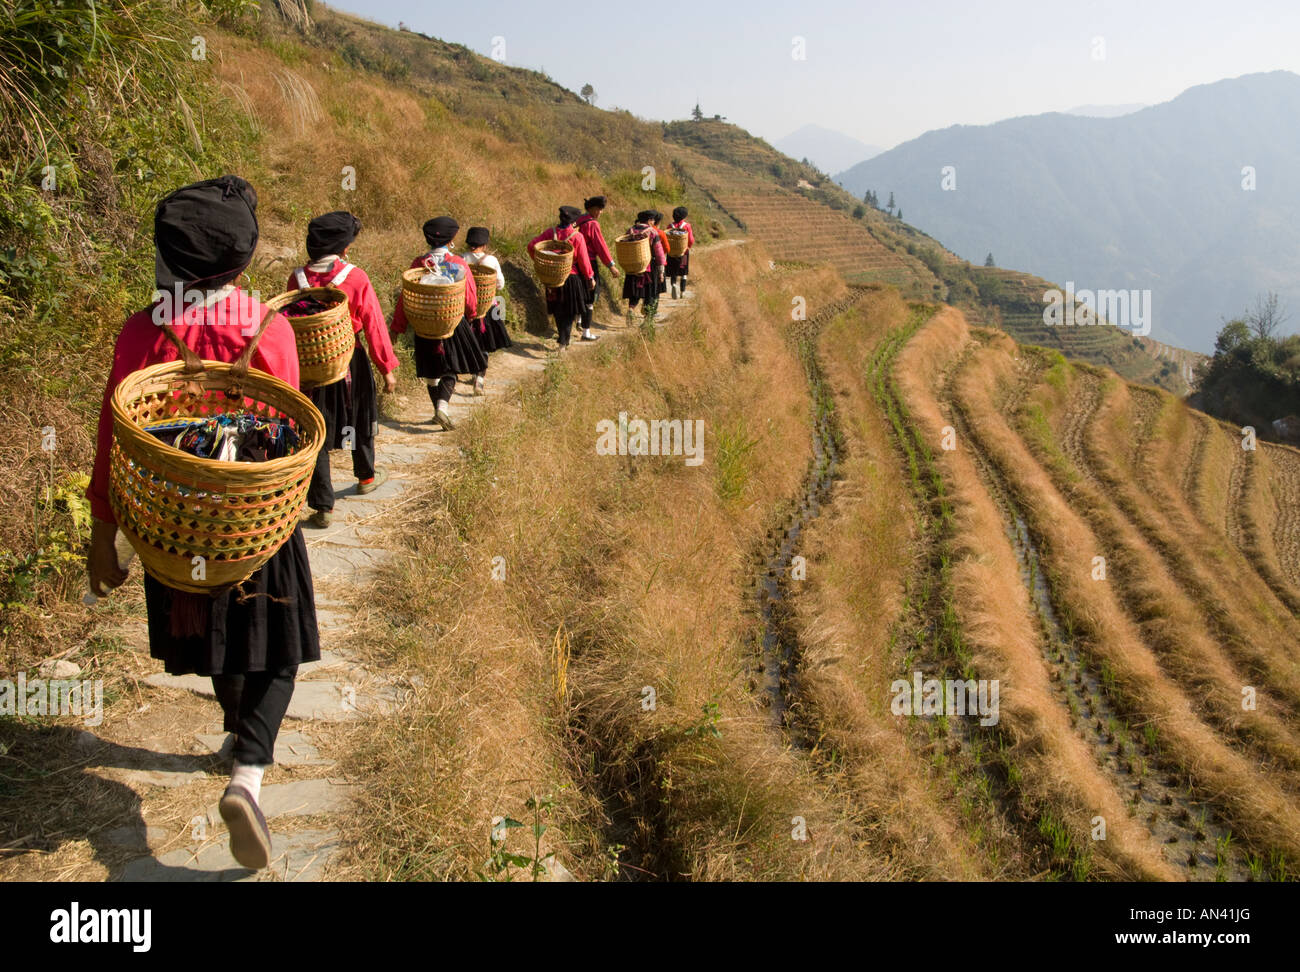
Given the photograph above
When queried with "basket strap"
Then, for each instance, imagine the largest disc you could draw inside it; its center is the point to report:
(303, 283)
(239, 370)
(342, 274)
(193, 363)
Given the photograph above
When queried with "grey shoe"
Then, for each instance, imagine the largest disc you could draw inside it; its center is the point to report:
(320, 519)
(250, 837)
(444, 419)
(380, 477)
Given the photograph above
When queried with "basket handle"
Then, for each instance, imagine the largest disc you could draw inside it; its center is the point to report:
(238, 371)
(193, 363)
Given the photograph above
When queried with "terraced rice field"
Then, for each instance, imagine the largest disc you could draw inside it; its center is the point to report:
(797, 229)
(1019, 312)
(1149, 661)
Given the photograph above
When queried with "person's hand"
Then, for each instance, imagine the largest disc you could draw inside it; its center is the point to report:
(390, 382)
(101, 564)
(613, 270)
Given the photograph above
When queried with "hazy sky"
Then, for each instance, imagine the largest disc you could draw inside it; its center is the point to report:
(881, 72)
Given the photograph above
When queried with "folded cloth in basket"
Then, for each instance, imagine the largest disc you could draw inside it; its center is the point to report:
(230, 438)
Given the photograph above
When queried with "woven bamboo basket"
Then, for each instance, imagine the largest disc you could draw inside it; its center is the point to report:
(485, 283)
(632, 253)
(677, 243)
(434, 310)
(174, 507)
(325, 340)
(553, 262)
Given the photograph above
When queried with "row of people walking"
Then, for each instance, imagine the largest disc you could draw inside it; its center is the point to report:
(576, 298)
(251, 639)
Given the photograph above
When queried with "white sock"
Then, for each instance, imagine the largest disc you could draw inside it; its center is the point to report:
(586, 332)
(249, 777)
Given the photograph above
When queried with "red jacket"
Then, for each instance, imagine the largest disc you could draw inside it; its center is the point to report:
(581, 261)
(216, 333)
(594, 237)
(471, 290)
(690, 233)
(363, 303)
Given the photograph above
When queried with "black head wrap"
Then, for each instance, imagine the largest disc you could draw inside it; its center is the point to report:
(679, 213)
(331, 233)
(477, 236)
(440, 231)
(595, 202)
(569, 215)
(657, 216)
(645, 215)
(205, 233)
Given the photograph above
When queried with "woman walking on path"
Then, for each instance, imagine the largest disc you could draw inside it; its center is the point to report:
(656, 218)
(349, 403)
(678, 267)
(439, 361)
(643, 288)
(597, 250)
(251, 639)
(568, 301)
(490, 329)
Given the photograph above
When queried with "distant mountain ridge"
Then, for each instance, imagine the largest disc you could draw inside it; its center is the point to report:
(1196, 199)
(1105, 111)
(829, 150)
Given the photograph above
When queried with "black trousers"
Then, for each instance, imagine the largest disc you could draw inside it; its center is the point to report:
(564, 327)
(320, 494)
(254, 706)
(441, 392)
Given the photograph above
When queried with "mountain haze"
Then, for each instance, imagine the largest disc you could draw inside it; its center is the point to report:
(1151, 200)
(829, 150)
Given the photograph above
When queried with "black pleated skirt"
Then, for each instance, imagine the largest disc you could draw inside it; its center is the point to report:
(266, 623)
(641, 286)
(679, 266)
(491, 333)
(459, 354)
(350, 401)
(567, 301)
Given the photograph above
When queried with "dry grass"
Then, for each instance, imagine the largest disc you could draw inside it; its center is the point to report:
(1259, 810)
(642, 565)
(1176, 454)
(1192, 602)
(1161, 587)
(325, 116)
(993, 605)
(860, 557)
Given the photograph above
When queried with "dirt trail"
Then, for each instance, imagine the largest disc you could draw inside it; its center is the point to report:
(166, 764)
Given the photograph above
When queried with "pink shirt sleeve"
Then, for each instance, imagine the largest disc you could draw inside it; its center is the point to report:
(368, 317)
(581, 261)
